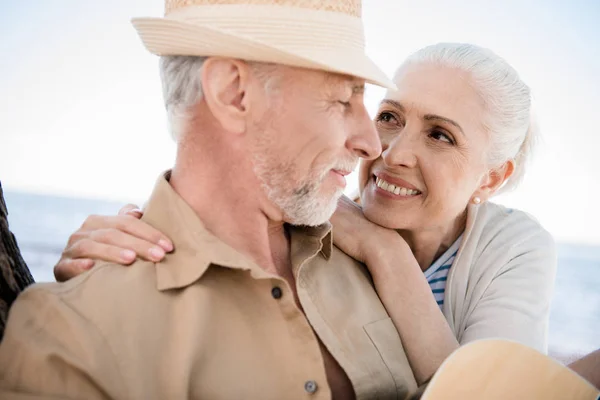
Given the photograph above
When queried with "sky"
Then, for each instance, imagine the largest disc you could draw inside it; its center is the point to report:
(81, 110)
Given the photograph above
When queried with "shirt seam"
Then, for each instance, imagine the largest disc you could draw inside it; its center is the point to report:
(61, 301)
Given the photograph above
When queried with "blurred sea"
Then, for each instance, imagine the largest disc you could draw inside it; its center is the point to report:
(42, 225)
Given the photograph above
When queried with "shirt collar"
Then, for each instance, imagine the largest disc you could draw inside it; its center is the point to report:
(196, 249)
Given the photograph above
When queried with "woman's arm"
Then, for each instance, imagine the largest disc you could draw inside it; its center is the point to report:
(588, 367)
(407, 297)
(401, 285)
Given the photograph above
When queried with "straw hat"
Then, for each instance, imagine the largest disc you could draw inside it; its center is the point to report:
(318, 34)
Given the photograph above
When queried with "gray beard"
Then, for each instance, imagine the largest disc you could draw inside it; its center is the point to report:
(301, 205)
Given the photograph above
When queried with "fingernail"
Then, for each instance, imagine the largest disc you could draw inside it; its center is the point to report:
(88, 264)
(136, 213)
(166, 245)
(157, 253)
(128, 255)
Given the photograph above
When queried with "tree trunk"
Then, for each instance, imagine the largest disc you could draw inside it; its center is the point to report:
(14, 274)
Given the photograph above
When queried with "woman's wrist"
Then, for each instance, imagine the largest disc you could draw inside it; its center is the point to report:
(390, 259)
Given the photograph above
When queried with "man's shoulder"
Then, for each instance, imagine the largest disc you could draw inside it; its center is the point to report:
(342, 266)
(89, 326)
(109, 288)
(108, 277)
(338, 257)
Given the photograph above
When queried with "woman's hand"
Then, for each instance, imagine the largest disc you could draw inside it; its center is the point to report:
(119, 239)
(360, 238)
(401, 286)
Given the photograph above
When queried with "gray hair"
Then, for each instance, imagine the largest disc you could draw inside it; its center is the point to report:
(505, 96)
(182, 86)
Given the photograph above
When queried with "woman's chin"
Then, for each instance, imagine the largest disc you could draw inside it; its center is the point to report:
(383, 218)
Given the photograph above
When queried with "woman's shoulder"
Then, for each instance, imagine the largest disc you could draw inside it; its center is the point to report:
(511, 224)
(505, 237)
(502, 238)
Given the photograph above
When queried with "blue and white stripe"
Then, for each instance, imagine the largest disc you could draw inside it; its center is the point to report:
(437, 273)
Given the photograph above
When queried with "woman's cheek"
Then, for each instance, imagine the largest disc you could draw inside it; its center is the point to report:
(364, 172)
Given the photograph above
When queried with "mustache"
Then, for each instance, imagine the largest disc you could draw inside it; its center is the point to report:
(345, 165)
(348, 165)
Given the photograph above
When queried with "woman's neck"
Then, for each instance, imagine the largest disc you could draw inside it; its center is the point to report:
(429, 244)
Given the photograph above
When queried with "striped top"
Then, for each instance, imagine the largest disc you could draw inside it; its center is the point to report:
(437, 274)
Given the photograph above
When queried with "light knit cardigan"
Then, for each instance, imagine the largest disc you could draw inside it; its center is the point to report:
(501, 282)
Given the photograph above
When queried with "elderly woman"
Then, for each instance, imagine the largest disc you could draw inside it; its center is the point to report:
(449, 265)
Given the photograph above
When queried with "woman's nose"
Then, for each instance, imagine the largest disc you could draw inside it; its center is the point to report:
(400, 152)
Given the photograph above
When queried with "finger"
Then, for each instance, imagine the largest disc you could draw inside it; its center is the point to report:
(143, 248)
(137, 213)
(88, 248)
(142, 230)
(77, 236)
(68, 268)
(128, 224)
(127, 208)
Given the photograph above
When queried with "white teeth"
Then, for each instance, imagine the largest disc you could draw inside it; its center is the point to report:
(397, 190)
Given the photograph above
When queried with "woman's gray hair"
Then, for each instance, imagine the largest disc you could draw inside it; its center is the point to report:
(505, 96)
(182, 86)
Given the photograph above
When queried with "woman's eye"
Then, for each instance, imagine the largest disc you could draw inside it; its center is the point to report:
(386, 117)
(441, 136)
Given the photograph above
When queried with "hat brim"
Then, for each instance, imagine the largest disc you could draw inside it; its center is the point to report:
(163, 36)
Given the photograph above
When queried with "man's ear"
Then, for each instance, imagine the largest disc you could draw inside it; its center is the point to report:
(224, 85)
(494, 180)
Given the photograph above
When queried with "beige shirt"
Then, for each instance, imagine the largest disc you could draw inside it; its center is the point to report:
(206, 323)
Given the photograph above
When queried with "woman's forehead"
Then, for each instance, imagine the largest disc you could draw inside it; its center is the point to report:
(432, 89)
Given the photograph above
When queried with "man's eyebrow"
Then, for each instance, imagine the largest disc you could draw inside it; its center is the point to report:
(358, 88)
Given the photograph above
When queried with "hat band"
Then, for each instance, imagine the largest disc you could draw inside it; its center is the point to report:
(292, 28)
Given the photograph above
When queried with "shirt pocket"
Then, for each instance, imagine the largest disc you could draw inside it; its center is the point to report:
(385, 338)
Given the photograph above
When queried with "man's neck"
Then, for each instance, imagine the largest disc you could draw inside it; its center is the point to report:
(231, 211)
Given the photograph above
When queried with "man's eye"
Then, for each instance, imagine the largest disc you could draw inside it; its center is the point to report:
(346, 104)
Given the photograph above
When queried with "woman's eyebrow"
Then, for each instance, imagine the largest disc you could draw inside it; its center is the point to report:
(433, 117)
(394, 103)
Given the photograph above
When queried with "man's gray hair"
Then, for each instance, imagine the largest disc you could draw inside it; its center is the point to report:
(182, 86)
(506, 98)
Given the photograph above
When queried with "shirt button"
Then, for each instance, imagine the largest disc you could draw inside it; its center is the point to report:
(310, 387)
(276, 292)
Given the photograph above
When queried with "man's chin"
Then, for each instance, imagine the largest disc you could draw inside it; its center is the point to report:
(312, 213)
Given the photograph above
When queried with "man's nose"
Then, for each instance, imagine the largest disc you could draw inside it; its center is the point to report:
(364, 140)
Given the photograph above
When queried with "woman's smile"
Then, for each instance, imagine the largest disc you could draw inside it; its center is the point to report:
(394, 188)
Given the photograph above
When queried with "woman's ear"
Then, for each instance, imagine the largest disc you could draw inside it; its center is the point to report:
(492, 181)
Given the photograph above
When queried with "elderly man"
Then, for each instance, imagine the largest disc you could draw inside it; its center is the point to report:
(265, 101)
